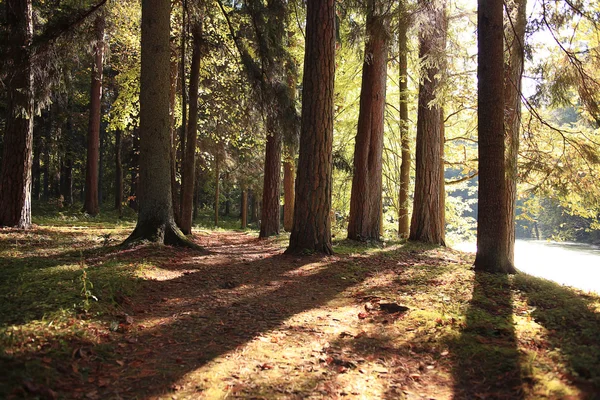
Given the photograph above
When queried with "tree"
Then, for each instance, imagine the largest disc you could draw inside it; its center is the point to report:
(189, 161)
(312, 225)
(91, 205)
(366, 198)
(428, 220)
(516, 13)
(492, 232)
(15, 178)
(265, 65)
(403, 217)
(288, 190)
(155, 218)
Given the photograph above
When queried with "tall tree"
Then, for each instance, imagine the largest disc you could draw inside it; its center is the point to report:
(403, 198)
(312, 224)
(189, 161)
(15, 178)
(366, 197)
(428, 219)
(267, 70)
(118, 172)
(514, 33)
(91, 205)
(155, 218)
(288, 191)
(492, 216)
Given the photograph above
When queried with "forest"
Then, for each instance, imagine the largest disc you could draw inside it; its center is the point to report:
(262, 199)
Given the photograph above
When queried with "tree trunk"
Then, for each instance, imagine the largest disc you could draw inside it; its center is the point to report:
(189, 164)
(155, 218)
(182, 76)
(134, 168)
(269, 223)
(254, 207)
(244, 208)
(91, 205)
(118, 172)
(288, 194)
(515, 38)
(403, 200)
(217, 191)
(37, 167)
(428, 222)
(66, 189)
(15, 178)
(172, 97)
(492, 232)
(365, 200)
(312, 224)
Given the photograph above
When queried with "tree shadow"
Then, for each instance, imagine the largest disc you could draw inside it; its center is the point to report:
(572, 323)
(194, 311)
(486, 360)
(204, 307)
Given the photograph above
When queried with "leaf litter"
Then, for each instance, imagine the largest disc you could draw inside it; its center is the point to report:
(247, 321)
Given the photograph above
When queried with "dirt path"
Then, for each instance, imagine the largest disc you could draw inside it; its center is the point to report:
(247, 321)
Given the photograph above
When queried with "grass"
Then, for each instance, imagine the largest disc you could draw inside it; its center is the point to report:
(82, 318)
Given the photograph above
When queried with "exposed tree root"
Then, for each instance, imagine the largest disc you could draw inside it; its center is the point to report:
(168, 234)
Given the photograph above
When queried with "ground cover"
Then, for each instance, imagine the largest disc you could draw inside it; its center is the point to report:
(82, 318)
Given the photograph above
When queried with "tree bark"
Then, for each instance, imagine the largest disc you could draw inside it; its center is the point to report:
(217, 186)
(492, 232)
(37, 167)
(134, 167)
(172, 97)
(155, 218)
(91, 205)
(189, 164)
(270, 215)
(15, 177)
(428, 222)
(244, 208)
(403, 199)
(366, 196)
(312, 225)
(118, 172)
(515, 40)
(182, 76)
(288, 194)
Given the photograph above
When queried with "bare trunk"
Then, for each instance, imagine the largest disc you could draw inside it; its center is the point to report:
(134, 168)
(217, 191)
(155, 218)
(269, 224)
(515, 38)
(312, 224)
(15, 178)
(189, 163)
(244, 207)
(288, 194)
(403, 199)
(492, 232)
(366, 201)
(182, 76)
(428, 223)
(91, 205)
(118, 172)
(172, 97)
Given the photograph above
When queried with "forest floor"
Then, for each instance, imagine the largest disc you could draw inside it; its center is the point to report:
(83, 318)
